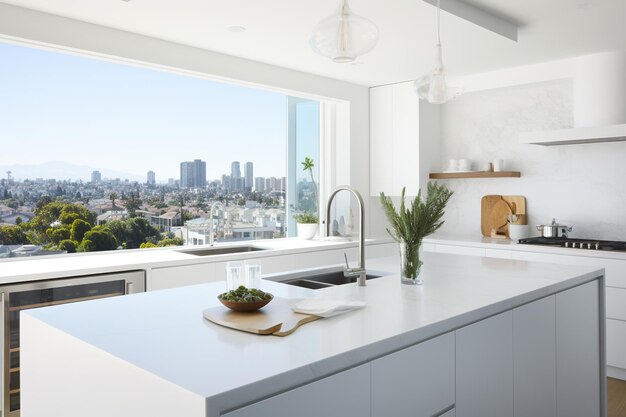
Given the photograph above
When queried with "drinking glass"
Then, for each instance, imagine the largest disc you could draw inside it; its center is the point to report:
(235, 275)
(253, 274)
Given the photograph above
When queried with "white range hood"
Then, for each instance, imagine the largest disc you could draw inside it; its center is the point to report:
(599, 87)
(613, 133)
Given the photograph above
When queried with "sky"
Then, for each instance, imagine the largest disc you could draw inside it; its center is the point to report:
(60, 107)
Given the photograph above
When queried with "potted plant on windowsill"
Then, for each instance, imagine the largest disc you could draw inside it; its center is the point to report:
(409, 226)
(306, 225)
(307, 222)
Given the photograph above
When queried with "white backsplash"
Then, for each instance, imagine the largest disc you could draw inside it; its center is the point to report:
(579, 185)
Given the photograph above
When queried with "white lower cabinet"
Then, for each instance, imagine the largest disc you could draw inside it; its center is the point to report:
(484, 368)
(345, 394)
(578, 355)
(416, 381)
(180, 276)
(615, 281)
(616, 303)
(542, 359)
(615, 342)
(534, 359)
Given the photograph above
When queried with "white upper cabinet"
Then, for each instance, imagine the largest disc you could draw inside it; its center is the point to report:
(404, 139)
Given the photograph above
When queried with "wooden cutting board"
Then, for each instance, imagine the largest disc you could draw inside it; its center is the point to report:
(276, 318)
(518, 206)
(494, 210)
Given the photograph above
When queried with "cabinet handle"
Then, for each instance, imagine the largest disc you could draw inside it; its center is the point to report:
(129, 287)
(444, 411)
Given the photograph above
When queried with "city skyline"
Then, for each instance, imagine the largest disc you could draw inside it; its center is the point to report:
(71, 108)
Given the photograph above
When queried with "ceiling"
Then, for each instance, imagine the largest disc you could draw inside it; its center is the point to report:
(277, 31)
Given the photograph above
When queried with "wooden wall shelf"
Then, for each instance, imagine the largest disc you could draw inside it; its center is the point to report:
(474, 174)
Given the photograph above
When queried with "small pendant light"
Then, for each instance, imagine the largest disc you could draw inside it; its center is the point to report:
(432, 86)
(344, 36)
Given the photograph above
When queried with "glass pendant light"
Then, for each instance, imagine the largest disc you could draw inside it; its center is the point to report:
(344, 36)
(433, 86)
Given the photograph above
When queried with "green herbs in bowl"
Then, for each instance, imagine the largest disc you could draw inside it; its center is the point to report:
(245, 299)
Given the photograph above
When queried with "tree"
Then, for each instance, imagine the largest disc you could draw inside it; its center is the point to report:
(119, 229)
(12, 235)
(176, 241)
(76, 211)
(18, 220)
(308, 165)
(146, 245)
(57, 234)
(55, 211)
(139, 231)
(43, 201)
(133, 203)
(113, 197)
(68, 245)
(131, 233)
(98, 240)
(79, 228)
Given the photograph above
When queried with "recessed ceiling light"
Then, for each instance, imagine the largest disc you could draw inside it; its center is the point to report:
(236, 29)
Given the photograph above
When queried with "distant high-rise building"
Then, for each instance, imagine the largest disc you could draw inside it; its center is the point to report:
(186, 174)
(236, 183)
(248, 173)
(226, 181)
(171, 182)
(259, 184)
(193, 174)
(199, 173)
(96, 176)
(283, 184)
(271, 184)
(151, 178)
(235, 170)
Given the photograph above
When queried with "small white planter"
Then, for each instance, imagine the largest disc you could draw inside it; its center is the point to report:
(306, 231)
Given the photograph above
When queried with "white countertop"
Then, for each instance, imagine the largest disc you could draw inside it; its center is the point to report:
(15, 270)
(164, 333)
(508, 244)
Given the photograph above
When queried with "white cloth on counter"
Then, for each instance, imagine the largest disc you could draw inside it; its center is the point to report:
(326, 307)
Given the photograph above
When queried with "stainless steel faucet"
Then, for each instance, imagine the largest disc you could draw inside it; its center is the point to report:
(359, 271)
(211, 231)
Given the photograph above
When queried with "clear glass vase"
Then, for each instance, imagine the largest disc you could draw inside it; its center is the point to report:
(410, 266)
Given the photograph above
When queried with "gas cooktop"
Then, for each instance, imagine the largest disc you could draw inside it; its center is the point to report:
(566, 242)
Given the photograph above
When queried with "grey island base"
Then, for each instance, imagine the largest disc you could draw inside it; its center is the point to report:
(482, 338)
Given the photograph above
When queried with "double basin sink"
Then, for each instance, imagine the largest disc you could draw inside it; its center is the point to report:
(309, 278)
(221, 250)
(317, 278)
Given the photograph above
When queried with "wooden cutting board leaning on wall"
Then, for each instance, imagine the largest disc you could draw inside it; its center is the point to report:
(495, 209)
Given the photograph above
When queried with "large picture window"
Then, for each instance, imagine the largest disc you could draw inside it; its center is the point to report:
(100, 155)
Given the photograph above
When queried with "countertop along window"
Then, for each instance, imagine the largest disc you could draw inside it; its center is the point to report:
(110, 156)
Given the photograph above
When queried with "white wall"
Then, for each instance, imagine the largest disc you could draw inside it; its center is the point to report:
(44, 29)
(580, 185)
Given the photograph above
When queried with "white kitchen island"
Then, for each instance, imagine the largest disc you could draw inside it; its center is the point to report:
(483, 337)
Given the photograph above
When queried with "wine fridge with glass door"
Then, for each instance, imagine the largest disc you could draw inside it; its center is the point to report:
(23, 296)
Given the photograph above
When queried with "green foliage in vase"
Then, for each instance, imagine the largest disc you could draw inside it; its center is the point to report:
(410, 225)
(423, 218)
